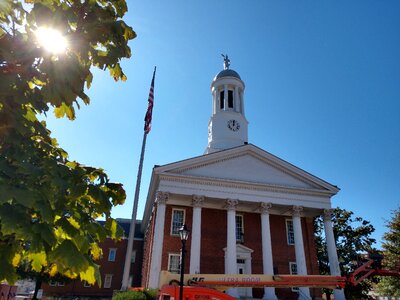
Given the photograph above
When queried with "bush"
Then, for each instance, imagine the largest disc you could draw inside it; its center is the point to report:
(129, 295)
(151, 294)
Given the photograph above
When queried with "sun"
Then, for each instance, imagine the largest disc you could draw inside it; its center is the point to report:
(51, 40)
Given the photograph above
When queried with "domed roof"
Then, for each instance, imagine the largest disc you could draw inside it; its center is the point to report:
(227, 73)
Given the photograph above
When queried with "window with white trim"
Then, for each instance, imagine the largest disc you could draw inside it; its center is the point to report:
(60, 283)
(293, 271)
(174, 263)
(107, 281)
(112, 253)
(178, 218)
(86, 284)
(289, 232)
(239, 228)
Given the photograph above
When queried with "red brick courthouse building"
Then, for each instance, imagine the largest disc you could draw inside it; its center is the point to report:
(249, 211)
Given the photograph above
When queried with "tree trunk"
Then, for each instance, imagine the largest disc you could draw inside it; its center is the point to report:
(38, 285)
(328, 295)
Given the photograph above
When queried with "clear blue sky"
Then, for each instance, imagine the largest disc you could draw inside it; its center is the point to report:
(322, 92)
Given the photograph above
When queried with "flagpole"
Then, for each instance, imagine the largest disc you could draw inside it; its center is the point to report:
(128, 256)
(147, 127)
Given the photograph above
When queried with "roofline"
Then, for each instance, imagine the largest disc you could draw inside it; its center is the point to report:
(308, 174)
(335, 189)
(149, 204)
(160, 168)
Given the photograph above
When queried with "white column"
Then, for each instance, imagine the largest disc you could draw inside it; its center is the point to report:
(215, 101)
(268, 266)
(242, 103)
(231, 256)
(158, 238)
(237, 99)
(225, 97)
(304, 292)
(247, 270)
(197, 202)
(332, 253)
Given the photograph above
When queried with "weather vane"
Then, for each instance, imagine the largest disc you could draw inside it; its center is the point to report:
(227, 61)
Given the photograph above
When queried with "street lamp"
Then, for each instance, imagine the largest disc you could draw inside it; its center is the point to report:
(184, 234)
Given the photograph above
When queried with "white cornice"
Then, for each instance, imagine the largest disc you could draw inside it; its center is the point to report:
(227, 183)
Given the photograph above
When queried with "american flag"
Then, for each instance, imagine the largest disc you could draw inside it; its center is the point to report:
(149, 113)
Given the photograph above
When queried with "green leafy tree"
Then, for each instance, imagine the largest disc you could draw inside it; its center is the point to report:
(352, 237)
(48, 203)
(390, 286)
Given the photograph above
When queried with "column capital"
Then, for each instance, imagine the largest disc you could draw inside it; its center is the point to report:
(231, 204)
(297, 210)
(328, 214)
(197, 201)
(162, 197)
(265, 208)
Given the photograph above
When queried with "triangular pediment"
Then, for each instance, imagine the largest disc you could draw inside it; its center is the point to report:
(246, 168)
(247, 164)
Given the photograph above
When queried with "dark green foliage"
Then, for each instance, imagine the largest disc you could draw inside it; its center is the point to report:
(141, 294)
(390, 286)
(129, 295)
(151, 294)
(352, 236)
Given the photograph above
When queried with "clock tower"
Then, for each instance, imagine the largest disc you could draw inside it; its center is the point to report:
(227, 127)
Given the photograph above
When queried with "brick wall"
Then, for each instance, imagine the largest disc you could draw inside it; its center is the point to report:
(213, 240)
(116, 268)
(77, 288)
(172, 243)
(136, 267)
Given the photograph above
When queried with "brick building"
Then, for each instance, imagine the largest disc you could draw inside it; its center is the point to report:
(249, 211)
(111, 269)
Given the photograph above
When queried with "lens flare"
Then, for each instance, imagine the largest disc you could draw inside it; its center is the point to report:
(51, 40)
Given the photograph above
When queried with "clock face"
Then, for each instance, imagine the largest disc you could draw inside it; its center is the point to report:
(233, 125)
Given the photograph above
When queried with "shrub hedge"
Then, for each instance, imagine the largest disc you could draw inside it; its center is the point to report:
(145, 294)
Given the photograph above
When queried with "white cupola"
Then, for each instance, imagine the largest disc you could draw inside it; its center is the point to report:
(227, 127)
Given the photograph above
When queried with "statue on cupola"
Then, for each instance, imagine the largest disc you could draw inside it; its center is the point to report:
(227, 61)
(227, 127)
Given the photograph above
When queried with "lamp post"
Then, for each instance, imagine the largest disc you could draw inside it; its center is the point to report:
(184, 234)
